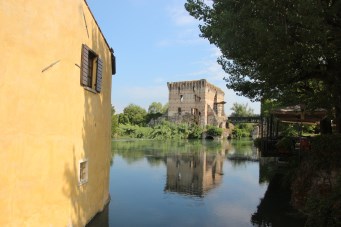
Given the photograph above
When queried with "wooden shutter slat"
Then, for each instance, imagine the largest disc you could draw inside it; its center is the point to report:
(113, 64)
(99, 75)
(84, 65)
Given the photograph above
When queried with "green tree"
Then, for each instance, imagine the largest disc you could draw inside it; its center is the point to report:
(114, 122)
(241, 110)
(165, 108)
(155, 107)
(133, 114)
(155, 110)
(281, 50)
(123, 119)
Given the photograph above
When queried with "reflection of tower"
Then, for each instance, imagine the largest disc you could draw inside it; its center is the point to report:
(194, 174)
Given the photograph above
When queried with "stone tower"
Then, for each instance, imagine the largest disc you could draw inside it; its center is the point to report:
(196, 101)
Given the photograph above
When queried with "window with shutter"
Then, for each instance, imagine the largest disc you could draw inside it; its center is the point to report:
(91, 70)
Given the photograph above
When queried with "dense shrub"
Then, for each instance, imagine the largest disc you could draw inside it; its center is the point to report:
(285, 144)
(316, 189)
(195, 132)
(257, 142)
(288, 130)
(214, 131)
(163, 130)
(134, 131)
(242, 130)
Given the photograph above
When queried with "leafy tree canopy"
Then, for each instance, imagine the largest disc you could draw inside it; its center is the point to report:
(241, 110)
(155, 107)
(280, 50)
(113, 111)
(133, 114)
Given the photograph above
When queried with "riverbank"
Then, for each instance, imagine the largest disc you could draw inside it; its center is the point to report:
(316, 184)
(314, 181)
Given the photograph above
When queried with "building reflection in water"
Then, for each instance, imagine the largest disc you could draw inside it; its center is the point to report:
(101, 219)
(194, 174)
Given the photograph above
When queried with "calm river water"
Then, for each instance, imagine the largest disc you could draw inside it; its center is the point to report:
(192, 183)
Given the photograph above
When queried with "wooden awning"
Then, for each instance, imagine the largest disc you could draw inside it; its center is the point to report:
(292, 114)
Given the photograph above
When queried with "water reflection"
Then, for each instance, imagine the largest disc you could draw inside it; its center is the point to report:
(193, 183)
(101, 219)
(242, 152)
(194, 174)
(275, 206)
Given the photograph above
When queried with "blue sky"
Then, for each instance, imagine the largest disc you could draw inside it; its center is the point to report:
(155, 42)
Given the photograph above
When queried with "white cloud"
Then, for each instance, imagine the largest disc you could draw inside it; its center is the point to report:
(179, 15)
(187, 31)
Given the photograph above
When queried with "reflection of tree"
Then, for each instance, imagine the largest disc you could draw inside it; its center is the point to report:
(242, 151)
(274, 209)
(135, 150)
(267, 169)
(155, 160)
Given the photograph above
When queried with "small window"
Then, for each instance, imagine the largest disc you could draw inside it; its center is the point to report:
(181, 98)
(83, 171)
(91, 70)
(179, 111)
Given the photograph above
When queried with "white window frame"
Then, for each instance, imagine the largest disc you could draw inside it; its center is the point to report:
(83, 178)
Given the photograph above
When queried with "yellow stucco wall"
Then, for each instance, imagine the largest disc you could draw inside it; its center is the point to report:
(48, 121)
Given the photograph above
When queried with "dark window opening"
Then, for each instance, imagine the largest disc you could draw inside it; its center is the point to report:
(179, 111)
(215, 105)
(91, 74)
(91, 70)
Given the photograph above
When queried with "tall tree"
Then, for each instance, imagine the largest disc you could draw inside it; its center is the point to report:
(284, 50)
(133, 114)
(241, 110)
(155, 107)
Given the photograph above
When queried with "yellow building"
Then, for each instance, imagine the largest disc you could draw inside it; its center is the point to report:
(55, 108)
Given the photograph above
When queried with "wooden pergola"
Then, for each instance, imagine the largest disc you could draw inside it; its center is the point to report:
(291, 114)
(298, 114)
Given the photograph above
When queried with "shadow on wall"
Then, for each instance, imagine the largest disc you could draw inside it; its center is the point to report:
(90, 198)
(73, 192)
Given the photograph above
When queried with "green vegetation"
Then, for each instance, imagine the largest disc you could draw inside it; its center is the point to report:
(214, 131)
(164, 130)
(285, 145)
(135, 122)
(280, 50)
(242, 130)
(241, 110)
(133, 114)
(316, 186)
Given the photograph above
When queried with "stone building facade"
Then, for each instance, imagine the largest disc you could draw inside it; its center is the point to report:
(197, 102)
